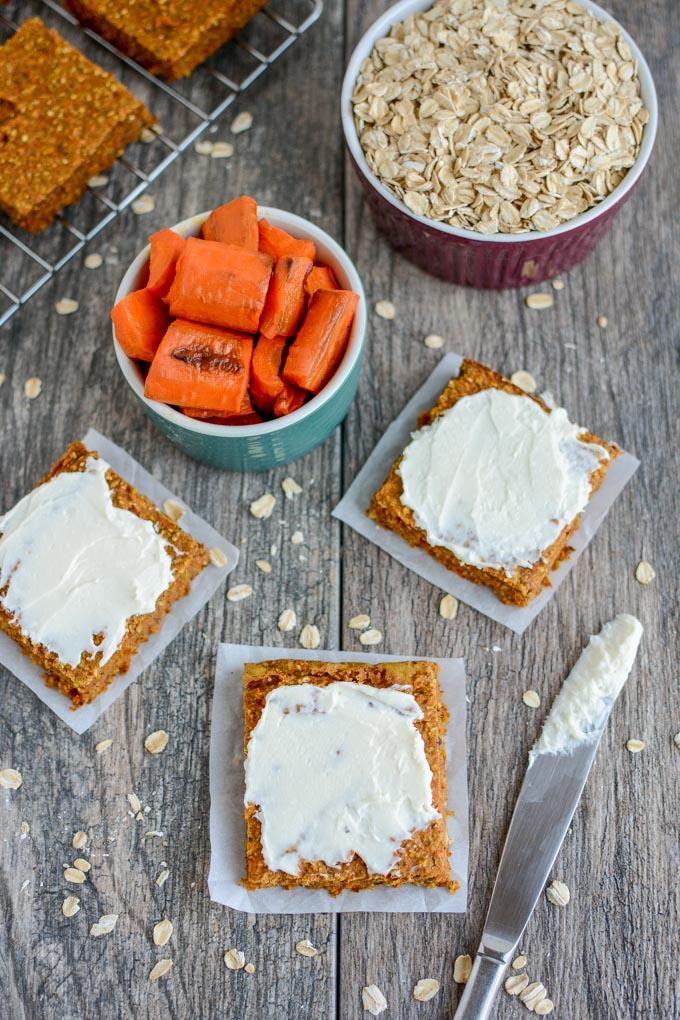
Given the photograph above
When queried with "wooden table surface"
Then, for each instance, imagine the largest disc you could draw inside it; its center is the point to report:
(608, 954)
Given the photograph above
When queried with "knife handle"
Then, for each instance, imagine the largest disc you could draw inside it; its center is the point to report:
(481, 988)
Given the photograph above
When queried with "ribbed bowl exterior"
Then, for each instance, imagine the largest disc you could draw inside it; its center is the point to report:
(269, 450)
(485, 264)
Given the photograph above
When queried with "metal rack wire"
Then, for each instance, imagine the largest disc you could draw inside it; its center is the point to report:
(28, 262)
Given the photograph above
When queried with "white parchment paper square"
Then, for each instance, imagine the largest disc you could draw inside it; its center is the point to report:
(227, 788)
(202, 588)
(352, 511)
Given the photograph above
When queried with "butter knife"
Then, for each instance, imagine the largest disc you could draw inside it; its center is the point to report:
(551, 790)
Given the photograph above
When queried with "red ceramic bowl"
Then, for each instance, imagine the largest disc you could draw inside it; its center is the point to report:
(487, 260)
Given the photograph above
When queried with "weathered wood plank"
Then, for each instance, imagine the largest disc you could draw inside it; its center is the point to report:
(609, 952)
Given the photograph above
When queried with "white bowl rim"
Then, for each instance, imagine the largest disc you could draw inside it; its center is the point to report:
(299, 227)
(401, 10)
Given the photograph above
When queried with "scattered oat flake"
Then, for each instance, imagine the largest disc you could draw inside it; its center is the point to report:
(74, 875)
(544, 1007)
(264, 565)
(24, 828)
(558, 893)
(385, 309)
(33, 387)
(153, 832)
(635, 746)
(81, 864)
(540, 300)
(160, 969)
(156, 741)
(143, 205)
(434, 342)
(203, 148)
(10, 779)
(291, 487)
(24, 885)
(461, 968)
(676, 740)
(373, 1000)
(602, 321)
(297, 538)
(262, 507)
(524, 380)
(517, 983)
(309, 636)
(239, 592)
(519, 962)
(79, 840)
(287, 620)
(305, 948)
(104, 926)
(558, 284)
(2, 378)
(533, 994)
(162, 932)
(531, 699)
(371, 637)
(134, 802)
(249, 968)
(425, 989)
(222, 150)
(93, 261)
(234, 959)
(174, 510)
(70, 906)
(103, 745)
(359, 622)
(448, 607)
(98, 181)
(162, 877)
(645, 572)
(242, 122)
(217, 557)
(147, 136)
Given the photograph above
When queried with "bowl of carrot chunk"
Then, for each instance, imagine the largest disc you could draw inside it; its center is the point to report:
(241, 332)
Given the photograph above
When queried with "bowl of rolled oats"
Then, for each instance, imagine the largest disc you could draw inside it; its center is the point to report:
(496, 141)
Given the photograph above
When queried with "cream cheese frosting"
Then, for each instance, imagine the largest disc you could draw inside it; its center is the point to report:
(495, 478)
(593, 684)
(76, 566)
(335, 771)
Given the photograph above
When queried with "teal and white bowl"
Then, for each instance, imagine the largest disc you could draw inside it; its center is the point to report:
(271, 443)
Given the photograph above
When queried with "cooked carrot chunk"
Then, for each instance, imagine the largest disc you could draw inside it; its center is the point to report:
(200, 366)
(220, 284)
(277, 242)
(316, 350)
(140, 321)
(265, 381)
(286, 296)
(166, 248)
(250, 418)
(289, 400)
(321, 278)
(234, 223)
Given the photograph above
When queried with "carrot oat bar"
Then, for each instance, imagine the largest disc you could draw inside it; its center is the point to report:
(168, 37)
(493, 483)
(88, 569)
(62, 120)
(345, 775)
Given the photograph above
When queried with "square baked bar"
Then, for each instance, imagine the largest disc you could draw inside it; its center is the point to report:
(422, 857)
(77, 552)
(62, 120)
(168, 37)
(452, 481)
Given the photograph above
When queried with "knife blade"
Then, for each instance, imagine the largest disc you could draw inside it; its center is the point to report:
(545, 807)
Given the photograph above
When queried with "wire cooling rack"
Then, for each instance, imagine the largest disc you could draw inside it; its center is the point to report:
(184, 109)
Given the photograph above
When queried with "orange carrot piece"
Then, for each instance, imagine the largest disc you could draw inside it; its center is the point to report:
(316, 350)
(252, 418)
(140, 321)
(286, 296)
(234, 223)
(200, 412)
(276, 242)
(166, 248)
(200, 366)
(321, 278)
(220, 284)
(289, 400)
(265, 380)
